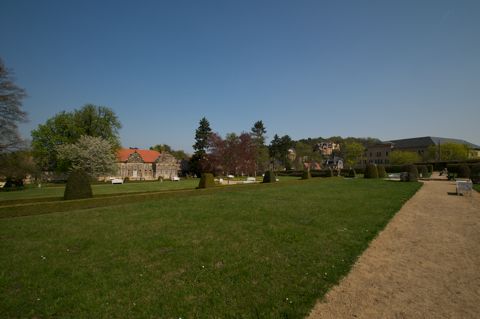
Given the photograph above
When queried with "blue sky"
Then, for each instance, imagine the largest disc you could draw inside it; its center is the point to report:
(386, 69)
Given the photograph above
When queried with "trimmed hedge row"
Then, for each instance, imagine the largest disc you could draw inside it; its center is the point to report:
(47, 207)
(465, 170)
(438, 166)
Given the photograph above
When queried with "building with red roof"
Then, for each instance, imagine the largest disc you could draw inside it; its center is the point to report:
(137, 164)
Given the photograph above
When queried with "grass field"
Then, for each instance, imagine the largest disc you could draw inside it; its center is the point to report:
(102, 189)
(476, 187)
(262, 251)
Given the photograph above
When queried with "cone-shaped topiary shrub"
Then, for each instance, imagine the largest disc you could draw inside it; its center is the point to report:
(412, 173)
(306, 175)
(351, 173)
(78, 186)
(206, 180)
(269, 177)
(381, 171)
(371, 171)
(463, 171)
(430, 168)
(475, 173)
(423, 171)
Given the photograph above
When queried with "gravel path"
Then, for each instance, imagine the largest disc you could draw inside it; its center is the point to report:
(425, 264)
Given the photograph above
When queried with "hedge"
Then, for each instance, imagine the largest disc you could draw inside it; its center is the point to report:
(306, 175)
(475, 173)
(206, 181)
(381, 171)
(371, 171)
(269, 177)
(78, 186)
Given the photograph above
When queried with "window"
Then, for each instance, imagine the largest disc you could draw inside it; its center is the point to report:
(386, 154)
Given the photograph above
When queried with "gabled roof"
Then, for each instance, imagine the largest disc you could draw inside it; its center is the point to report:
(426, 141)
(148, 156)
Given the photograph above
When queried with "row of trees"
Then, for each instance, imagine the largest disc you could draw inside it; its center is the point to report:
(245, 153)
(248, 154)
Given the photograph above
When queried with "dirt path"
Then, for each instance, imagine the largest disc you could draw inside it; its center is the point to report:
(425, 264)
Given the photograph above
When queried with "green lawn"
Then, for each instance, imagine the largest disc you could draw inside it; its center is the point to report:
(476, 187)
(31, 191)
(262, 251)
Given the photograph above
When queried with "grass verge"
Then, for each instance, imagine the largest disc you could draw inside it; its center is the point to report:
(262, 251)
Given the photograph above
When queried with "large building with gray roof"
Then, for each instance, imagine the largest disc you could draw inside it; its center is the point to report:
(379, 153)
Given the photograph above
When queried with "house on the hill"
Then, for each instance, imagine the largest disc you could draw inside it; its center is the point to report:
(139, 164)
(327, 148)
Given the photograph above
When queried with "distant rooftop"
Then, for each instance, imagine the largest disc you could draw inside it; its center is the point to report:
(428, 141)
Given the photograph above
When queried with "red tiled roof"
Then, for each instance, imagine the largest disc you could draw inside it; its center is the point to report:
(148, 156)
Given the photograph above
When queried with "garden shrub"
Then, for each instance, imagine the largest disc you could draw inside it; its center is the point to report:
(289, 173)
(306, 175)
(351, 173)
(317, 173)
(359, 170)
(381, 171)
(423, 171)
(412, 173)
(329, 172)
(206, 180)
(395, 168)
(430, 168)
(463, 171)
(78, 186)
(371, 171)
(475, 173)
(12, 184)
(269, 177)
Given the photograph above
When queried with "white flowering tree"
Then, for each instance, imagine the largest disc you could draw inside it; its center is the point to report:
(94, 155)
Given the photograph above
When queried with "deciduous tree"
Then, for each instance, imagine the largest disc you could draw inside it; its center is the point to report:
(448, 152)
(17, 165)
(352, 152)
(93, 155)
(279, 147)
(11, 112)
(403, 157)
(68, 127)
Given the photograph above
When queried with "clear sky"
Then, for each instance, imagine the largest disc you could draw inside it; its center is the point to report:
(386, 69)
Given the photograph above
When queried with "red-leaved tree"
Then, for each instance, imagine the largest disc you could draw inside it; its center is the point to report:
(233, 155)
